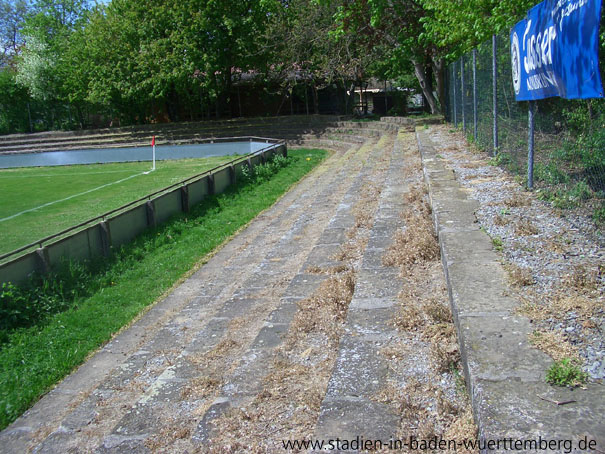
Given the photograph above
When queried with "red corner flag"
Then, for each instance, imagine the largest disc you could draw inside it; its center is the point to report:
(153, 141)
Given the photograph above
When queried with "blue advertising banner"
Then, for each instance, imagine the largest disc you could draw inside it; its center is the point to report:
(555, 51)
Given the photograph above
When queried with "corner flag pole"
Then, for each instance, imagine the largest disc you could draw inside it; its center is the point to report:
(153, 147)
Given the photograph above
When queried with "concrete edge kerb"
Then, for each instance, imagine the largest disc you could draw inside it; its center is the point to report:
(505, 375)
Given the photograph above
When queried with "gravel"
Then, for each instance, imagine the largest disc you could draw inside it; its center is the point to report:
(566, 245)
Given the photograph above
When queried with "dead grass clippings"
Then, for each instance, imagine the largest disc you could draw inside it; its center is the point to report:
(416, 244)
(554, 344)
(501, 221)
(325, 310)
(463, 428)
(170, 433)
(524, 227)
(517, 200)
(584, 278)
(517, 276)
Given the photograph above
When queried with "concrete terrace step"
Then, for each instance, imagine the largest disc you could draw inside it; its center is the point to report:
(505, 375)
(375, 125)
(310, 121)
(412, 120)
(350, 408)
(364, 132)
(162, 137)
(322, 143)
(137, 385)
(285, 249)
(247, 380)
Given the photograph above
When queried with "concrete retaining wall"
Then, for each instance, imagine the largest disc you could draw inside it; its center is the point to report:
(119, 229)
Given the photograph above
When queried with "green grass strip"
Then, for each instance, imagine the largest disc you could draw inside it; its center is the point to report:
(36, 358)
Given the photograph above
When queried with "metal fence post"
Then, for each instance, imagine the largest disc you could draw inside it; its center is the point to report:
(455, 101)
(475, 94)
(462, 93)
(530, 144)
(495, 91)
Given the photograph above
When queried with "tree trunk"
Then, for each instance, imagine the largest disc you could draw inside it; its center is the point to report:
(307, 98)
(315, 99)
(283, 100)
(351, 99)
(426, 85)
(439, 71)
(239, 103)
(228, 98)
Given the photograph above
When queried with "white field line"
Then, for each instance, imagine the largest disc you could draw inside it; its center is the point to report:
(70, 197)
(8, 174)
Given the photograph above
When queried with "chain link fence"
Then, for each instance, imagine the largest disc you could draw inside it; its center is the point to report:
(569, 135)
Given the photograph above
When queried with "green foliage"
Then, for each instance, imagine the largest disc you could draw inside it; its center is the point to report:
(566, 197)
(550, 173)
(13, 104)
(498, 243)
(263, 172)
(503, 159)
(566, 373)
(12, 13)
(42, 296)
(457, 27)
(599, 214)
(580, 191)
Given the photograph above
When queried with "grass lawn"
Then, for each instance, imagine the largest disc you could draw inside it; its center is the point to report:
(28, 188)
(34, 358)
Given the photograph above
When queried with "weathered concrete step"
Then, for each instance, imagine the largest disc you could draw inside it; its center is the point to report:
(323, 143)
(413, 120)
(505, 375)
(362, 132)
(350, 408)
(310, 122)
(247, 381)
(254, 362)
(375, 125)
(347, 138)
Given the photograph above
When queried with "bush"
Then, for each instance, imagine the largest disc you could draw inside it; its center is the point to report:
(581, 191)
(42, 296)
(599, 214)
(566, 373)
(501, 159)
(549, 173)
(264, 172)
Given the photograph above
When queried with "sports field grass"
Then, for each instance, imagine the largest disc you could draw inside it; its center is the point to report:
(39, 201)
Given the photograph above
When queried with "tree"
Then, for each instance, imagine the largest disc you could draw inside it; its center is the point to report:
(304, 51)
(13, 104)
(457, 27)
(46, 38)
(12, 14)
(395, 25)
